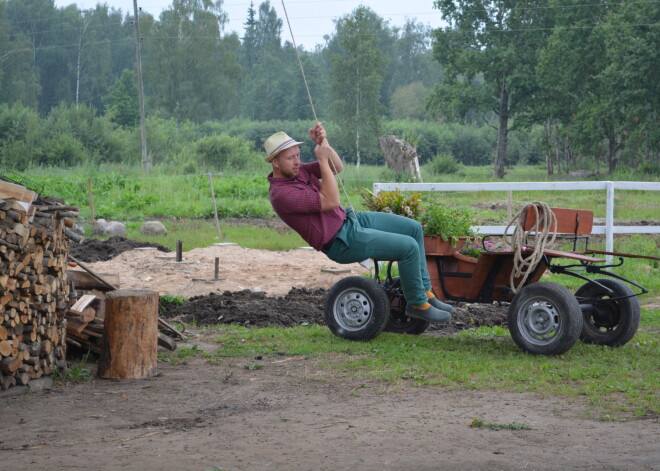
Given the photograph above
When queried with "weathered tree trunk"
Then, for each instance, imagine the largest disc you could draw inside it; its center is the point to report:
(130, 338)
(400, 156)
(502, 133)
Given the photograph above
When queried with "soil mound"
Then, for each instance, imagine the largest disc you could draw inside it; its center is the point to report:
(294, 305)
(94, 250)
(302, 306)
(254, 309)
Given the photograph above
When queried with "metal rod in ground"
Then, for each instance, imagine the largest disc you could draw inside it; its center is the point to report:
(179, 250)
(217, 267)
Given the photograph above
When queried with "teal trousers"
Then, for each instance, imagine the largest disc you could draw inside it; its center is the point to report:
(386, 237)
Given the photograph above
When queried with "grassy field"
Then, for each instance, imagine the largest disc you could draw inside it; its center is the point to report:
(129, 195)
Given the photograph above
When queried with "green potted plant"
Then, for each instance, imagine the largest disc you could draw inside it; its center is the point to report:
(445, 229)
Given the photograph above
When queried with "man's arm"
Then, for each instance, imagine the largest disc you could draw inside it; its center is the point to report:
(329, 192)
(318, 135)
(329, 164)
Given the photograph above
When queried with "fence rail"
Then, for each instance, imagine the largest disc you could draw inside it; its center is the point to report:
(609, 229)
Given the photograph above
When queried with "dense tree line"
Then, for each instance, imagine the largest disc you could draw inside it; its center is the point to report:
(575, 82)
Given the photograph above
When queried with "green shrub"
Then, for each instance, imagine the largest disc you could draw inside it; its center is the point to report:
(649, 168)
(443, 164)
(221, 151)
(474, 146)
(15, 155)
(21, 136)
(100, 138)
(62, 150)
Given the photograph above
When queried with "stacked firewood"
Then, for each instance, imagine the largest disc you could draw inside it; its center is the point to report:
(85, 319)
(34, 291)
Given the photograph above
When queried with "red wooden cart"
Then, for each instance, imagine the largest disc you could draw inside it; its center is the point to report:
(543, 317)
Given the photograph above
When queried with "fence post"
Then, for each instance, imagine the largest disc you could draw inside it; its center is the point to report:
(609, 222)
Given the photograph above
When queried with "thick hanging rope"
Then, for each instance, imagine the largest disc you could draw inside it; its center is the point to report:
(311, 102)
(536, 239)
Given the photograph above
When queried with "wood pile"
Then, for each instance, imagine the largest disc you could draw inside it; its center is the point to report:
(86, 318)
(34, 291)
(44, 305)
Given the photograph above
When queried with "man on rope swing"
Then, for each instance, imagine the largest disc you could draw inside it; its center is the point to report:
(306, 197)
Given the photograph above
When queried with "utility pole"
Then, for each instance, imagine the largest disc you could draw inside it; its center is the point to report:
(138, 56)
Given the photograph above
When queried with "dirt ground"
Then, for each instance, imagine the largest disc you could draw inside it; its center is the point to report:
(291, 415)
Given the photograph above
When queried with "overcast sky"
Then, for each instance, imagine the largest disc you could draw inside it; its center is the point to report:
(310, 20)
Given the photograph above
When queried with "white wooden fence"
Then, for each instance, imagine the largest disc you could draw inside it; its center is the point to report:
(609, 229)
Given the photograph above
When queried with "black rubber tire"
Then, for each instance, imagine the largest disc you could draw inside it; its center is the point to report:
(399, 322)
(356, 308)
(611, 323)
(545, 319)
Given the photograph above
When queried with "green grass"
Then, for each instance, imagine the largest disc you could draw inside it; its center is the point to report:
(643, 271)
(77, 372)
(616, 383)
(479, 423)
(128, 194)
(195, 233)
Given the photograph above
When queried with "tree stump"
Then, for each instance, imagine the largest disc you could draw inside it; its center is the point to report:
(129, 348)
(400, 156)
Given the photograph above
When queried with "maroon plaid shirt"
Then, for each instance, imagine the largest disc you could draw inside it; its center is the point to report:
(297, 202)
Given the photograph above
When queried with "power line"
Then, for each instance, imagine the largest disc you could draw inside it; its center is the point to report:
(320, 17)
(365, 35)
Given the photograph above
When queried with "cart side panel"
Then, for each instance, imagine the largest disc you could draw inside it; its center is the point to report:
(486, 281)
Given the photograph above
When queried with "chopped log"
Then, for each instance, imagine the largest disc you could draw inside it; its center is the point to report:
(166, 342)
(7, 382)
(83, 302)
(5, 348)
(46, 347)
(171, 328)
(74, 324)
(130, 340)
(82, 343)
(74, 236)
(22, 378)
(84, 280)
(10, 364)
(70, 341)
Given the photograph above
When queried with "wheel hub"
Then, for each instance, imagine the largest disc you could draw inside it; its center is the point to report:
(541, 319)
(352, 310)
(606, 315)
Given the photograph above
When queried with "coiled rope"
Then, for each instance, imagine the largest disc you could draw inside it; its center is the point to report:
(534, 239)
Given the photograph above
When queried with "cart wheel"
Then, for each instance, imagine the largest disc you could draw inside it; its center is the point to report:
(399, 322)
(611, 323)
(545, 319)
(356, 308)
